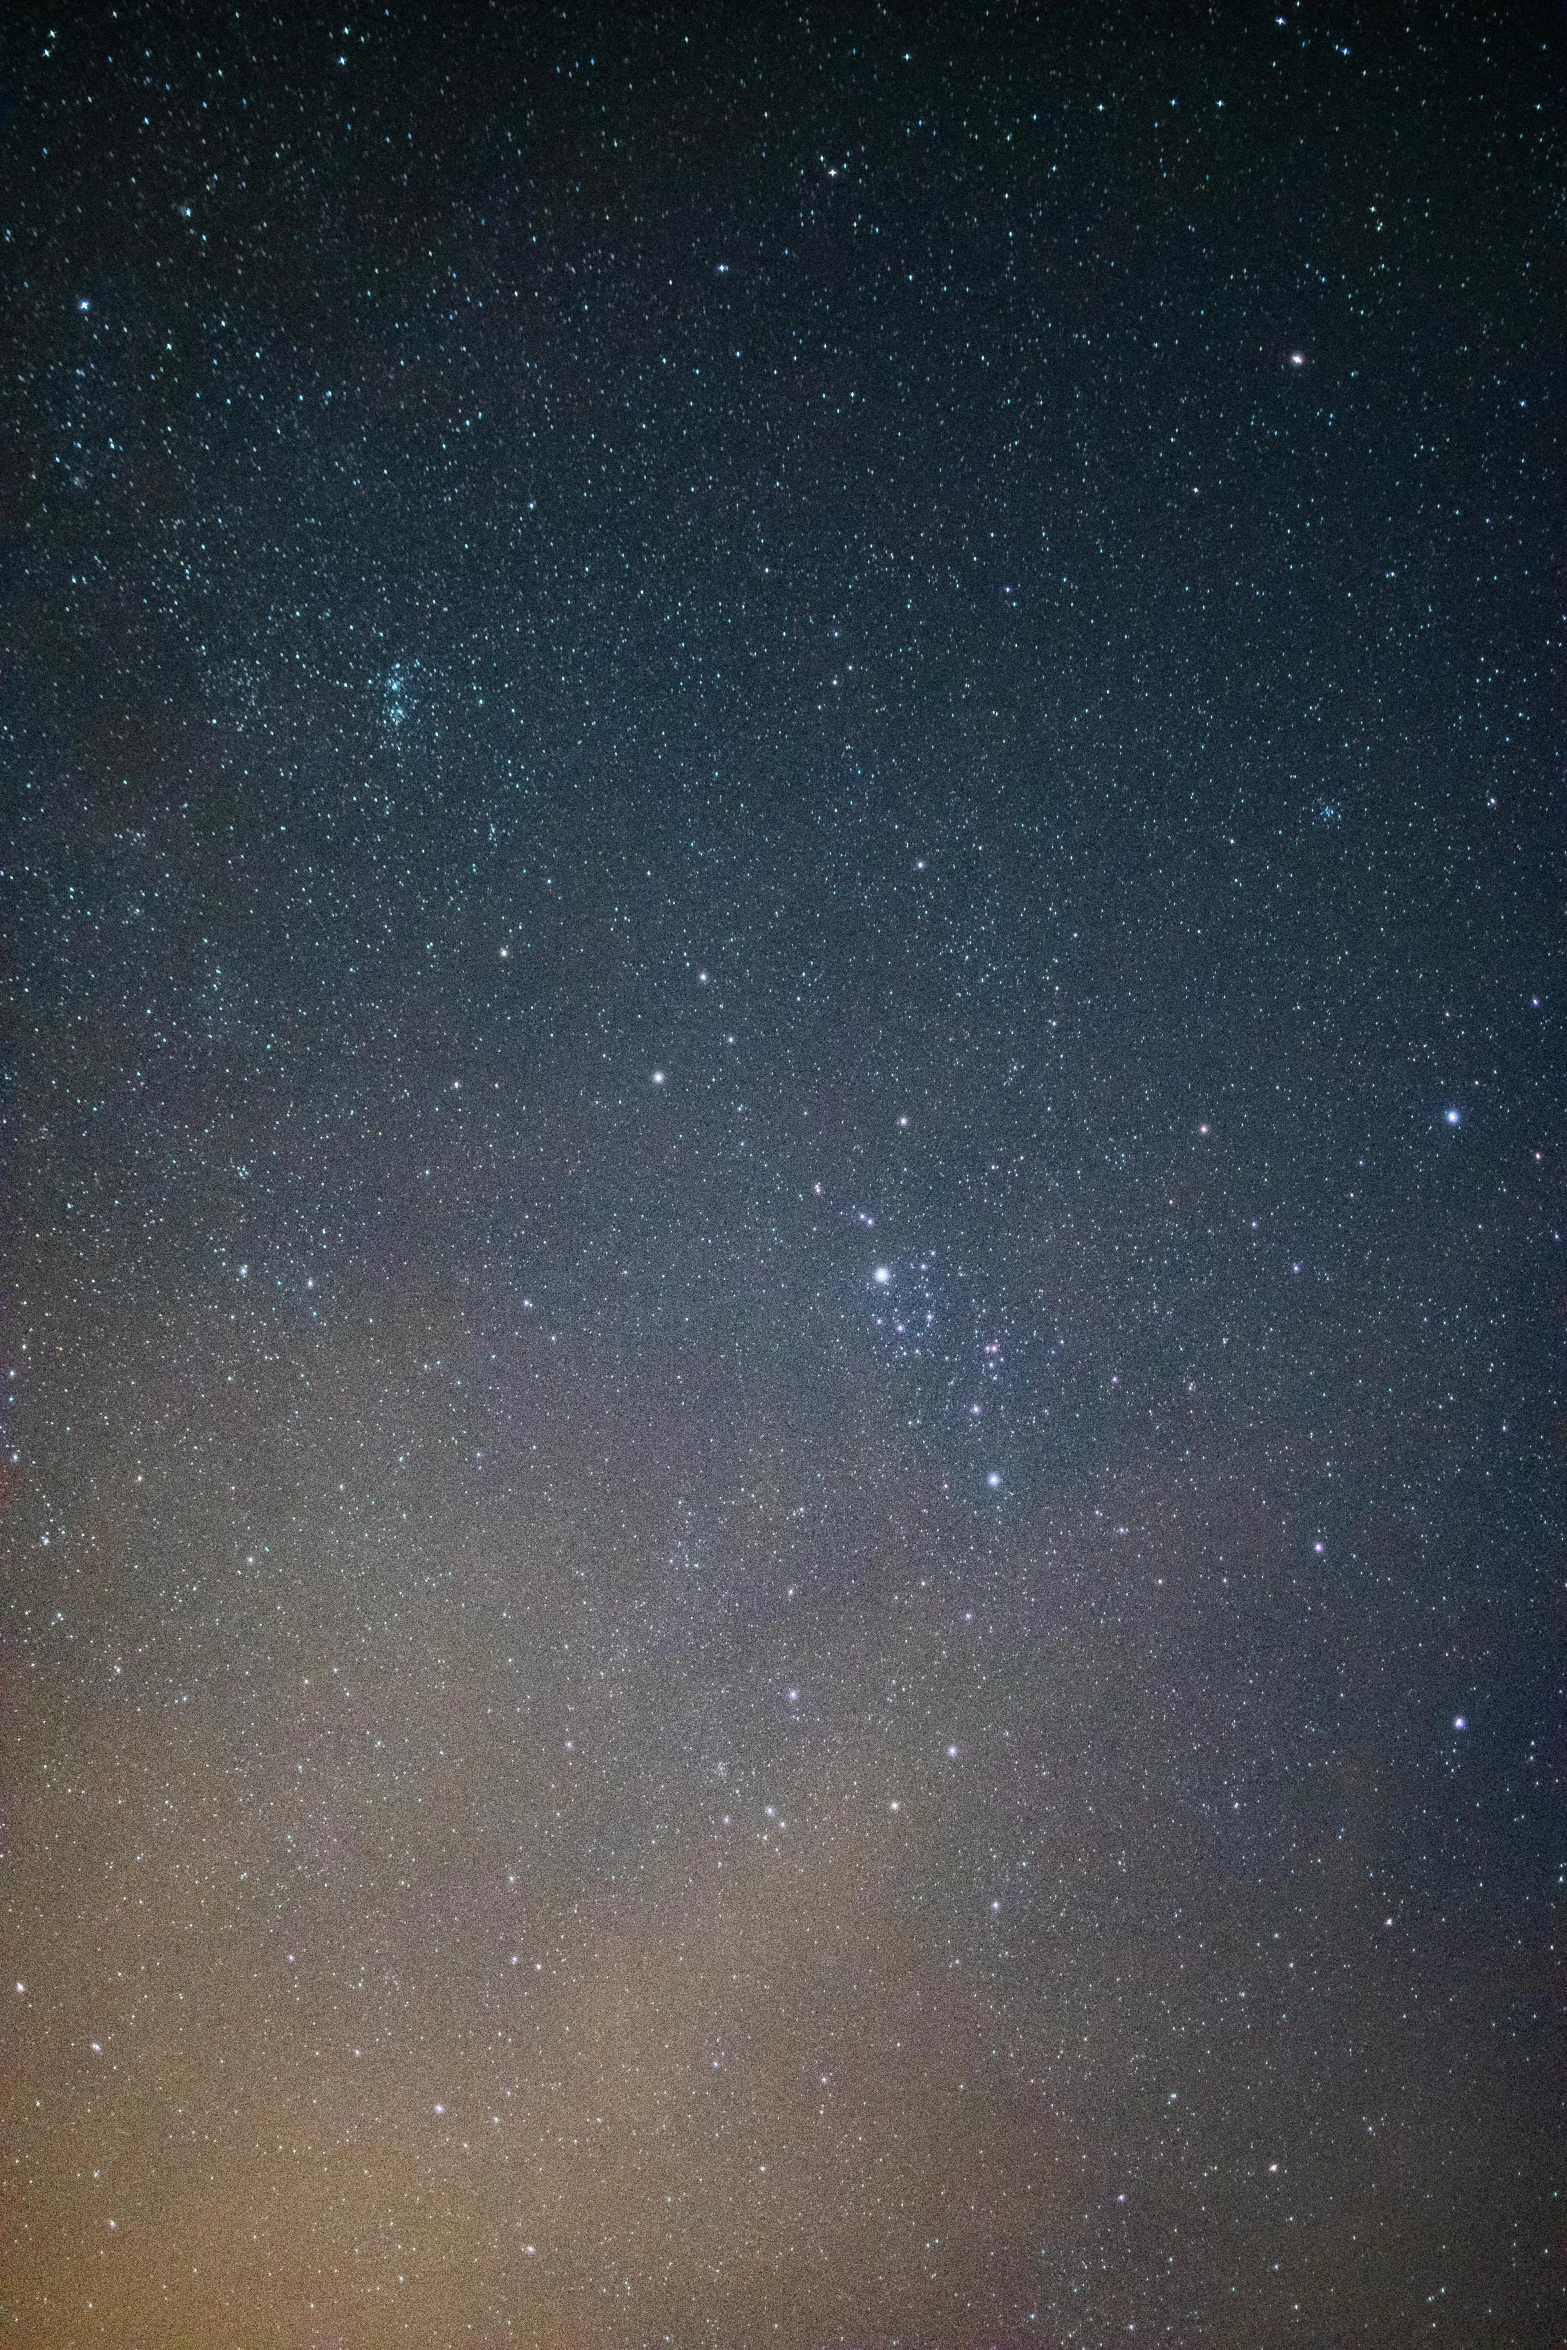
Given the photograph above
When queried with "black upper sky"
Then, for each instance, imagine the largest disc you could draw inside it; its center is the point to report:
(784, 1259)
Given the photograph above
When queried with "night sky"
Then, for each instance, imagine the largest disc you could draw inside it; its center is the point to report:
(784, 1260)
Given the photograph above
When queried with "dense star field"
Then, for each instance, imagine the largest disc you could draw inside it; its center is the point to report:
(784, 1247)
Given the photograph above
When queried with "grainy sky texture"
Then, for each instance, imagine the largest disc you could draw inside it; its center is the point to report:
(784, 1262)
